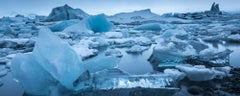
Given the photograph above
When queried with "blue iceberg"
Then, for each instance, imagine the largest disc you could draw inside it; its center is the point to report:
(99, 23)
(62, 25)
(51, 60)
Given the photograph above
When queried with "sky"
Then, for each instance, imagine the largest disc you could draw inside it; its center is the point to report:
(110, 7)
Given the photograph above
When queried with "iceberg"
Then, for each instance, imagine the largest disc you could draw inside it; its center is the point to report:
(52, 58)
(114, 34)
(150, 26)
(176, 74)
(115, 79)
(101, 62)
(84, 51)
(170, 53)
(61, 61)
(136, 49)
(31, 75)
(99, 23)
(113, 52)
(62, 25)
(77, 30)
(65, 13)
(215, 59)
(197, 72)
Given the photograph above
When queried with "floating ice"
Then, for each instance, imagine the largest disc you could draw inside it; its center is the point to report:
(77, 30)
(62, 25)
(101, 62)
(52, 58)
(170, 53)
(3, 72)
(99, 23)
(197, 72)
(176, 74)
(150, 26)
(113, 52)
(212, 59)
(60, 61)
(136, 49)
(114, 34)
(234, 38)
(84, 51)
(31, 75)
(115, 79)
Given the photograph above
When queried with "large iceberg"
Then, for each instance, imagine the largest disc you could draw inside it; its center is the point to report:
(99, 23)
(66, 13)
(51, 58)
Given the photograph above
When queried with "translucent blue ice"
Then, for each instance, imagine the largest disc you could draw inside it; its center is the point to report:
(62, 25)
(99, 23)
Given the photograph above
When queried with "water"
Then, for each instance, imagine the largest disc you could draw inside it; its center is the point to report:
(10, 87)
(136, 63)
(235, 56)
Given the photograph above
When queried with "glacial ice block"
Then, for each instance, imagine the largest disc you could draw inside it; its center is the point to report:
(57, 58)
(150, 26)
(99, 23)
(115, 79)
(101, 62)
(197, 72)
(62, 25)
(31, 75)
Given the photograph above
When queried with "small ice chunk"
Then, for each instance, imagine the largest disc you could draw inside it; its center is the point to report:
(150, 26)
(3, 72)
(176, 74)
(84, 51)
(113, 52)
(114, 34)
(197, 73)
(234, 38)
(101, 62)
(77, 29)
(136, 49)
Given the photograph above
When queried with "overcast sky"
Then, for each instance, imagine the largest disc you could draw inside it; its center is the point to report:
(110, 7)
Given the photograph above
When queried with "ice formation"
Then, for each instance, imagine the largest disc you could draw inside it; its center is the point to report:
(62, 25)
(101, 62)
(150, 26)
(113, 52)
(136, 49)
(66, 13)
(114, 34)
(52, 58)
(114, 79)
(176, 74)
(99, 23)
